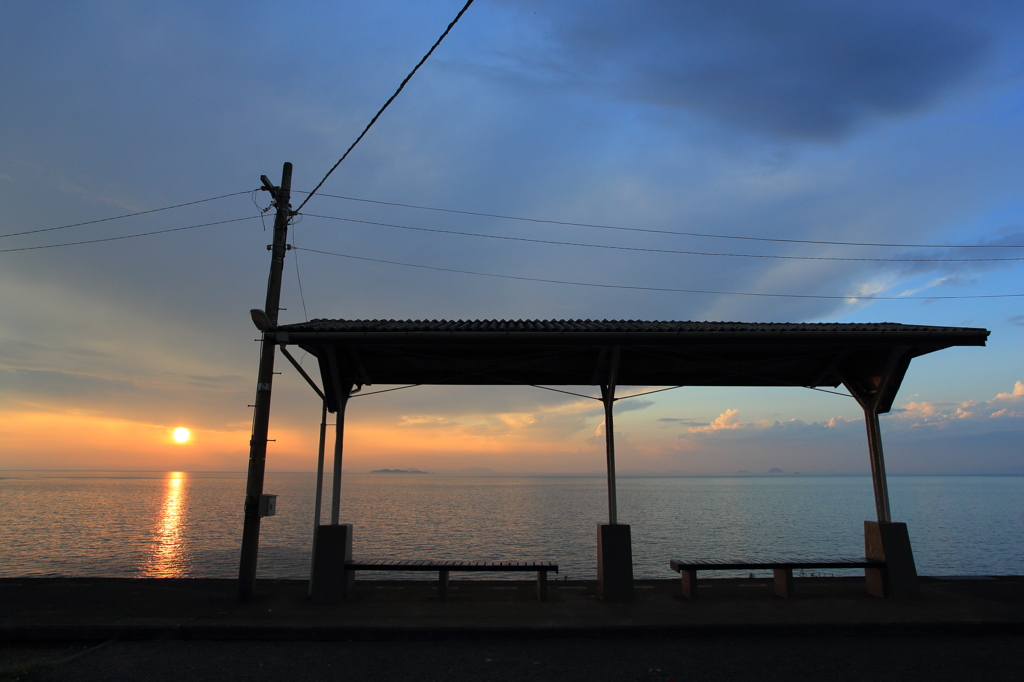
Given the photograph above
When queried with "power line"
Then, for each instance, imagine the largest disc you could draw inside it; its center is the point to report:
(128, 236)
(669, 251)
(664, 289)
(678, 233)
(119, 217)
(387, 104)
(298, 275)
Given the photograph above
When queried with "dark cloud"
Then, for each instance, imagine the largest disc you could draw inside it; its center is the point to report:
(809, 70)
(683, 422)
(48, 383)
(109, 122)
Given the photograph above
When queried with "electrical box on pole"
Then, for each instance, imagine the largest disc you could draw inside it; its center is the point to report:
(268, 505)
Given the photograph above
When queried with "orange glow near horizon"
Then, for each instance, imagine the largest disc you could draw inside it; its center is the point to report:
(38, 439)
(75, 440)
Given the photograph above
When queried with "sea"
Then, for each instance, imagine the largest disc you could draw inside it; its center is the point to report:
(180, 524)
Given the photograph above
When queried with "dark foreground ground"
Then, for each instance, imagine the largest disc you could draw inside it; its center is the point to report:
(95, 629)
(837, 658)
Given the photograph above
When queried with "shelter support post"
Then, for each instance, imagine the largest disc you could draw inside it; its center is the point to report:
(614, 546)
(614, 563)
(608, 398)
(319, 491)
(878, 478)
(890, 542)
(331, 581)
(333, 543)
(884, 540)
(342, 389)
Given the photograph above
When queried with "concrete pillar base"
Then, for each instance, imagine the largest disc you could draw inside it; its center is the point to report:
(330, 580)
(889, 542)
(614, 563)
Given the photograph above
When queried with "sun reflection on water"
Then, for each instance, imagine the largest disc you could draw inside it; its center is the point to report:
(167, 557)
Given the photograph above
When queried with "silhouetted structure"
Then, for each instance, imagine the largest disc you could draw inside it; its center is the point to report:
(870, 360)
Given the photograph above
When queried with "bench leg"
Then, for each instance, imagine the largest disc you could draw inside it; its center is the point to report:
(783, 582)
(689, 584)
(542, 585)
(442, 585)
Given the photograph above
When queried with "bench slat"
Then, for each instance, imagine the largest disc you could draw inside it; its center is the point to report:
(451, 565)
(713, 565)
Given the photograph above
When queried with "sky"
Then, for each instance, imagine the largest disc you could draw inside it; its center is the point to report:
(866, 122)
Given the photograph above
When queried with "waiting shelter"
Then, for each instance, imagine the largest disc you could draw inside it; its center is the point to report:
(870, 360)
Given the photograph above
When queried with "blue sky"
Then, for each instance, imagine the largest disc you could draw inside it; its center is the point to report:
(825, 121)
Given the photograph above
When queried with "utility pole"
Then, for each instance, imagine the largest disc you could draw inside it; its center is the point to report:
(261, 417)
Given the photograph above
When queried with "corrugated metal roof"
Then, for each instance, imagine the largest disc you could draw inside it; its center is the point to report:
(647, 326)
(647, 353)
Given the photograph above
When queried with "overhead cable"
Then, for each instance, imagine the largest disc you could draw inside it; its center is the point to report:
(298, 275)
(669, 251)
(664, 289)
(127, 236)
(126, 215)
(386, 104)
(385, 390)
(679, 233)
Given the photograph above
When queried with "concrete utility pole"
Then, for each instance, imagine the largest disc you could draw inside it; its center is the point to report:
(261, 417)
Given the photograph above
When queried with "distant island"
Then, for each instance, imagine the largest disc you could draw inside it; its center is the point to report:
(398, 471)
(776, 470)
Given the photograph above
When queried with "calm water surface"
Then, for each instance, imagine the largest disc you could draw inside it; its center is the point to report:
(189, 524)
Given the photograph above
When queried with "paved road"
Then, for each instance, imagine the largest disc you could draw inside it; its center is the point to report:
(991, 658)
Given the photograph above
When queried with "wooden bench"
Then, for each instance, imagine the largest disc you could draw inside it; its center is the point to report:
(443, 568)
(783, 570)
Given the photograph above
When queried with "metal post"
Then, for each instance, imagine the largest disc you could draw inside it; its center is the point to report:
(614, 547)
(883, 540)
(319, 489)
(339, 440)
(261, 415)
(878, 479)
(342, 391)
(608, 398)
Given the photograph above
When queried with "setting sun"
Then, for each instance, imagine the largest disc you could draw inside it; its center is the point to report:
(181, 434)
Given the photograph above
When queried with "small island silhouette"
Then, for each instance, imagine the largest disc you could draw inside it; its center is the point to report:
(398, 471)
